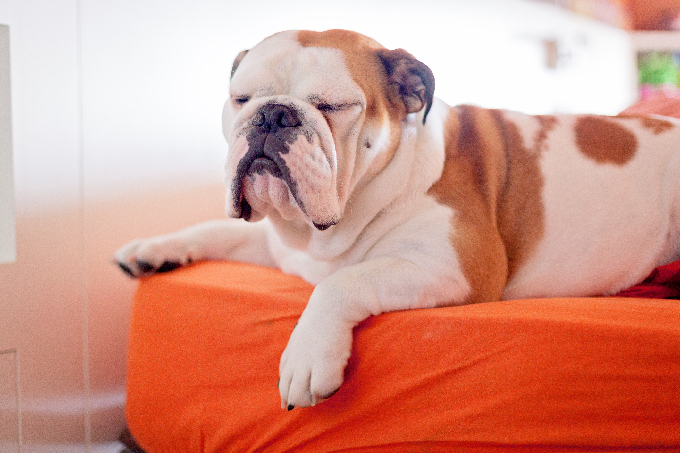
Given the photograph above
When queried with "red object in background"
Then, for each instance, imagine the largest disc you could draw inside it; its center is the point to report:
(669, 20)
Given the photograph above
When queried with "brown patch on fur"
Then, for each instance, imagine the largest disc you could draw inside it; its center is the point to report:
(604, 140)
(407, 84)
(548, 122)
(656, 125)
(520, 209)
(237, 62)
(470, 146)
(494, 184)
(470, 184)
(368, 72)
(362, 62)
(410, 82)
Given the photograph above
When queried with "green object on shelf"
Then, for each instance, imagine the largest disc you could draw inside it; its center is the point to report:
(658, 68)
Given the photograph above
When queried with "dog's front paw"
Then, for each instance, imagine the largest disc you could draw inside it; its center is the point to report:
(149, 256)
(313, 363)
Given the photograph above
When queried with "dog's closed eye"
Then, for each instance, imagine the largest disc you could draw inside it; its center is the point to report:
(326, 107)
(239, 101)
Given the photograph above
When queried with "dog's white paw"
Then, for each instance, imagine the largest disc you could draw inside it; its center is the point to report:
(312, 365)
(148, 256)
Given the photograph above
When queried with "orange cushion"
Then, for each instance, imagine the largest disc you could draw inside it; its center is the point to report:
(532, 375)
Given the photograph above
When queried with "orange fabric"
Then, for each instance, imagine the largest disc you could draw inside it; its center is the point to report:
(535, 375)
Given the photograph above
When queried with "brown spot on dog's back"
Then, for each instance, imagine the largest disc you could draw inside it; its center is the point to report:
(471, 146)
(604, 140)
(548, 123)
(470, 184)
(493, 181)
(520, 208)
(656, 125)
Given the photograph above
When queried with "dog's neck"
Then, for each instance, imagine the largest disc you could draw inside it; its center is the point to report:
(362, 216)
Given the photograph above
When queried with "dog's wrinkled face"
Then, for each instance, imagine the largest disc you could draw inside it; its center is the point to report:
(306, 123)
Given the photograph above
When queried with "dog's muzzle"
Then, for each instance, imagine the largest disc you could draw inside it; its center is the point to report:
(273, 129)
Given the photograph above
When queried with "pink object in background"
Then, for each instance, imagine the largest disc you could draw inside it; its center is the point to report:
(667, 106)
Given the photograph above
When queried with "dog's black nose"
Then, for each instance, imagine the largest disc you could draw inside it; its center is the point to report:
(274, 116)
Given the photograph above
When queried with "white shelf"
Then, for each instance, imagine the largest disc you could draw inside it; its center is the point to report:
(7, 220)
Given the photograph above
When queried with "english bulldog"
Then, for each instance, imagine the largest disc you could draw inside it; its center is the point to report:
(386, 198)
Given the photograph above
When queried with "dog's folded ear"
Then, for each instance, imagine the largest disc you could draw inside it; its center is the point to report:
(237, 61)
(409, 80)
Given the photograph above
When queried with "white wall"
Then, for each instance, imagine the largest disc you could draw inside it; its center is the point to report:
(42, 294)
(117, 134)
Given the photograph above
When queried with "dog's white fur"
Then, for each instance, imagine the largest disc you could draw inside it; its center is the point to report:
(369, 224)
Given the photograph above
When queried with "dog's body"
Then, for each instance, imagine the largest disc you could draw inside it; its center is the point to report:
(388, 199)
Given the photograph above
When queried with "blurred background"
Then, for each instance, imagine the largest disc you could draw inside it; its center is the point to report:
(110, 129)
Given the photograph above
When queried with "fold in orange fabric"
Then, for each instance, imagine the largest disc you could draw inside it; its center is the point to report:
(584, 374)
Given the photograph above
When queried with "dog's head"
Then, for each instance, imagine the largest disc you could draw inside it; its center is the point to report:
(313, 116)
